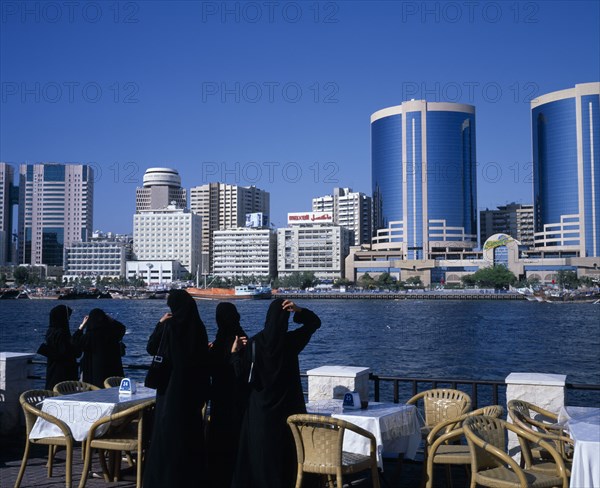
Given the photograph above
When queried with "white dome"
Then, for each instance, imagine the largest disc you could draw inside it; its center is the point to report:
(162, 177)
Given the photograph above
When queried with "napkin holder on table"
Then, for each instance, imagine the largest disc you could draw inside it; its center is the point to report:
(127, 387)
(352, 401)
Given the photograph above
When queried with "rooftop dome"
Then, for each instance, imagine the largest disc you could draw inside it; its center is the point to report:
(162, 177)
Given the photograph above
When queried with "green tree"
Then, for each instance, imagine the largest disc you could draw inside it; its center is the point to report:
(584, 280)
(21, 275)
(341, 282)
(567, 279)
(385, 280)
(367, 281)
(494, 276)
(414, 281)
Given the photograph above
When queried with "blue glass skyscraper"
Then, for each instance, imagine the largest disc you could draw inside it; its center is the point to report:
(566, 161)
(424, 177)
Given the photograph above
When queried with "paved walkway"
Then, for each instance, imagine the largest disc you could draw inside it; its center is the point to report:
(395, 475)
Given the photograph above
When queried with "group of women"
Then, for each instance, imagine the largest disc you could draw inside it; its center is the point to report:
(252, 386)
(98, 338)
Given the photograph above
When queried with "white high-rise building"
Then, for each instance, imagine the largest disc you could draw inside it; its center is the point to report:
(162, 187)
(223, 206)
(312, 243)
(351, 210)
(55, 210)
(106, 259)
(244, 252)
(6, 182)
(171, 234)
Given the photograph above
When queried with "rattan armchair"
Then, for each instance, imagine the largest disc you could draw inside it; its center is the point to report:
(319, 446)
(113, 381)
(126, 433)
(444, 446)
(68, 387)
(492, 467)
(544, 424)
(439, 405)
(29, 402)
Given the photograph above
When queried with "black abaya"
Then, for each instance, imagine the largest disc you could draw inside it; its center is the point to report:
(61, 353)
(176, 456)
(101, 347)
(267, 454)
(227, 399)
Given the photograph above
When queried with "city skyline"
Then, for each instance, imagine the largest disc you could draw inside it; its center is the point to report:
(275, 96)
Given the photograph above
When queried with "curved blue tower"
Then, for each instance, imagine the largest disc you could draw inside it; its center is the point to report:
(423, 164)
(566, 170)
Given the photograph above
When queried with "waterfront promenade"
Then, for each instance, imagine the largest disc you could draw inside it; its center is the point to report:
(401, 295)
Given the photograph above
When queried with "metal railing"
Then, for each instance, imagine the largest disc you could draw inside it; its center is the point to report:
(400, 389)
(473, 387)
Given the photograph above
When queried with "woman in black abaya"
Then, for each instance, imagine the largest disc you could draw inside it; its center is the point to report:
(176, 456)
(61, 353)
(267, 454)
(227, 399)
(101, 346)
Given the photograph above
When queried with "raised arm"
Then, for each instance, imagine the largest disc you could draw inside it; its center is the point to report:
(299, 338)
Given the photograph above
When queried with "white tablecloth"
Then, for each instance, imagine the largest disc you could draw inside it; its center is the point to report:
(395, 426)
(583, 424)
(80, 410)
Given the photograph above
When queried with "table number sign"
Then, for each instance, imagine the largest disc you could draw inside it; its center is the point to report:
(352, 400)
(127, 387)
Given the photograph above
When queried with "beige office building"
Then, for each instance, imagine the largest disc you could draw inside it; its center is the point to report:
(223, 206)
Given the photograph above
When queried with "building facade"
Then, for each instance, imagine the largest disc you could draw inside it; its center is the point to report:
(55, 210)
(424, 177)
(245, 252)
(312, 243)
(96, 258)
(7, 176)
(515, 219)
(223, 206)
(170, 234)
(566, 171)
(351, 210)
(161, 187)
(154, 272)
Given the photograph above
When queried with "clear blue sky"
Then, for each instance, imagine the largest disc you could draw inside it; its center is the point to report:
(276, 94)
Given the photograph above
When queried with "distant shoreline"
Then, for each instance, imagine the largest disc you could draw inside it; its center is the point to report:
(401, 296)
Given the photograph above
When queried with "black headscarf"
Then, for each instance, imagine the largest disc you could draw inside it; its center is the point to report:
(186, 319)
(97, 318)
(59, 317)
(228, 323)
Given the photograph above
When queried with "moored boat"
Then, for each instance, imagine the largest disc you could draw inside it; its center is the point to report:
(252, 292)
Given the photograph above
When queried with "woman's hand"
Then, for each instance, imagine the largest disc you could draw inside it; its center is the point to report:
(166, 316)
(85, 319)
(290, 306)
(239, 343)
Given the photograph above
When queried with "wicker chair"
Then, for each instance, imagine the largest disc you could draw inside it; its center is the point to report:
(440, 404)
(125, 434)
(442, 447)
(491, 466)
(67, 387)
(319, 441)
(29, 401)
(544, 424)
(113, 381)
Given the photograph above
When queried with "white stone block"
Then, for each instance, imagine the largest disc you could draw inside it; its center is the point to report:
(328, 382)
(542, 389)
